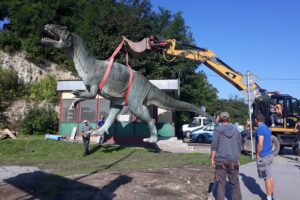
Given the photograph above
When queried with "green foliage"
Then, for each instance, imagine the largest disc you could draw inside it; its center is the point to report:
(236, 108)
(39, 121)
(9, 42)
(10, 89)
(8, 84)
(44, 89)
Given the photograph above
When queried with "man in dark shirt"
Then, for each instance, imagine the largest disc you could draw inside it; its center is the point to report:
(86, 134)
(225, 155)
(297, 130)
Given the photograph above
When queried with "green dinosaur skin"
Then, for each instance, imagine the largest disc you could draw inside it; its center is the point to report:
(91, 70)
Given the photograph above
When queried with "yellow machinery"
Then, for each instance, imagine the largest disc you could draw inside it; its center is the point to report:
(283, 133)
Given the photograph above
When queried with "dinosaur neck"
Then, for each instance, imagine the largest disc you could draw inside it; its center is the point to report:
(83, 60)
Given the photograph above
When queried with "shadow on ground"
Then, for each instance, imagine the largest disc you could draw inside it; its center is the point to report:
(41, 185)
(252, 185)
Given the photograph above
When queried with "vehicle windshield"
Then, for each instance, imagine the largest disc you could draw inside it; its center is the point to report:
(197, 122)
(292, 107)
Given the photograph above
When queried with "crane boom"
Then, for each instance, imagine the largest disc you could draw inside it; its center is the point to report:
(209, 59)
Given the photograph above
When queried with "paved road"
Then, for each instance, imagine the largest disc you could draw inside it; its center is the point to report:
(286, 176)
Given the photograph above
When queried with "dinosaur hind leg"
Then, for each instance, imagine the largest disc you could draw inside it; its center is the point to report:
(113, 112)
(142, 113)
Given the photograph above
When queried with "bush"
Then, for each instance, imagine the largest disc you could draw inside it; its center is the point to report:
(10, 89)
(44, 89)
(39, 121)
(9, 43)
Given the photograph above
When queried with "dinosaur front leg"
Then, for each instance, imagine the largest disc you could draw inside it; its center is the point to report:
(113, 112)
(142, 113)
(75, 102)
(89, 93)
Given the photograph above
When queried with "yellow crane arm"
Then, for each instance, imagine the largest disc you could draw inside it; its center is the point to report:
(212, 62)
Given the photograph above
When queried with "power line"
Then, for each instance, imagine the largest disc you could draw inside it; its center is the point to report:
(264, 78)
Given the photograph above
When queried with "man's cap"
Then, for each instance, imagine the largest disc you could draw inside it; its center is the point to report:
(85, 121)
(224, 115)
(260, 117)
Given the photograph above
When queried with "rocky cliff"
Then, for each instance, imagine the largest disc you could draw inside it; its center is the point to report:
(28, 71)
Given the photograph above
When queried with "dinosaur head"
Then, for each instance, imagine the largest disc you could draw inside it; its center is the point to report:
(58, 37)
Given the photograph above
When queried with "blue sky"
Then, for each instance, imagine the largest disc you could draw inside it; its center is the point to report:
(4, 21)
(260, 36)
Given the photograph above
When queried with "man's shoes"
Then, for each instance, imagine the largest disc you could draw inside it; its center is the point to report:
(273, 125)
(86, 153)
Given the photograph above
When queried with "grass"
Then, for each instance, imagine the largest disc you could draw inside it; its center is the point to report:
(65, 158)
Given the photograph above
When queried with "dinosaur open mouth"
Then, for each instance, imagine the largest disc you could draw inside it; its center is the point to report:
(50, 35)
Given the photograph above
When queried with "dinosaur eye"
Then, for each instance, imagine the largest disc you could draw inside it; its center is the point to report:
(69, 37)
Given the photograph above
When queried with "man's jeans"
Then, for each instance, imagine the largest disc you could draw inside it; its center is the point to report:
(86, 142)
(230, 169)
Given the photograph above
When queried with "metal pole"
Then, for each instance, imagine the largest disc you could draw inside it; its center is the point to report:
(249, 108)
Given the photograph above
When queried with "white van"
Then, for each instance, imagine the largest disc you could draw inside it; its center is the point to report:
(197, 122)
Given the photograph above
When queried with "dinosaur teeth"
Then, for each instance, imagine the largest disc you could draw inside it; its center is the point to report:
(51, 34)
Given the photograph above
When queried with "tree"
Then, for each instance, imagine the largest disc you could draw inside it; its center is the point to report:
(102, 23)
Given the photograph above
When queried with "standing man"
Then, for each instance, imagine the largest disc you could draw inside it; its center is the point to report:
(86, 134)
(225, 155)
(100, 123)
(264, 157)
(297, 130)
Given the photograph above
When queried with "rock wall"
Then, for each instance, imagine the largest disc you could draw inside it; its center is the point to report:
(30, 72)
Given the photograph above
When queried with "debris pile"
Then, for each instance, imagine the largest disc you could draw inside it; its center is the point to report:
(7, 133)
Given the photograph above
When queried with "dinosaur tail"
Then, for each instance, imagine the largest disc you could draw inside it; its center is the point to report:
(164, 101)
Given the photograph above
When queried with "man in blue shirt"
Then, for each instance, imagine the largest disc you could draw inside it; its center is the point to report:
(264, 157)
(100, 122)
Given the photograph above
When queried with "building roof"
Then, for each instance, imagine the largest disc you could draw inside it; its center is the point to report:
(70, 85)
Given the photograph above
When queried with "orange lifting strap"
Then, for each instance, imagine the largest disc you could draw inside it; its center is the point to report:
(108, 68)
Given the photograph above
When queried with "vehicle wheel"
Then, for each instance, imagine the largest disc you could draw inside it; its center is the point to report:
(187, 134)
(281, 149)
(275, 145)
(295, 149)
(200, 139)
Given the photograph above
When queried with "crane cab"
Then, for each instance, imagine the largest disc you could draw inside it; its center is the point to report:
(281, 122)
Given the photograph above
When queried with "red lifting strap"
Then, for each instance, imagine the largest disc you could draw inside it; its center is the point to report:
(108, 68)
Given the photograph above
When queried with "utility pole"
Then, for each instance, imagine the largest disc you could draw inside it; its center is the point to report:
(249, 83)
(250, 94)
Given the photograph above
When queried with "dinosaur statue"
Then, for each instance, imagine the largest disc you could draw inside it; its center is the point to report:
(91, 70)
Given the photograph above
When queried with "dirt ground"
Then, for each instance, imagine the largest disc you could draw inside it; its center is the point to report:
(189, 183)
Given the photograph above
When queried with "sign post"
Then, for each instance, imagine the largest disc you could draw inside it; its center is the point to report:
(250, 97)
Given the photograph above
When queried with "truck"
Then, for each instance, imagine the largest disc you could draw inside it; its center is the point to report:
(283, 133)
(197, 122)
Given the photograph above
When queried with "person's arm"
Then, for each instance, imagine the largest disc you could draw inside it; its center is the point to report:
(259, 146)
(240, 144)
(82, 132)
(214, 146)
(213, 158)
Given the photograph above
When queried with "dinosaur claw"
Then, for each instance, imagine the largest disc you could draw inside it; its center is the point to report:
(75, 92)
(150, 139)
(72, 107)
